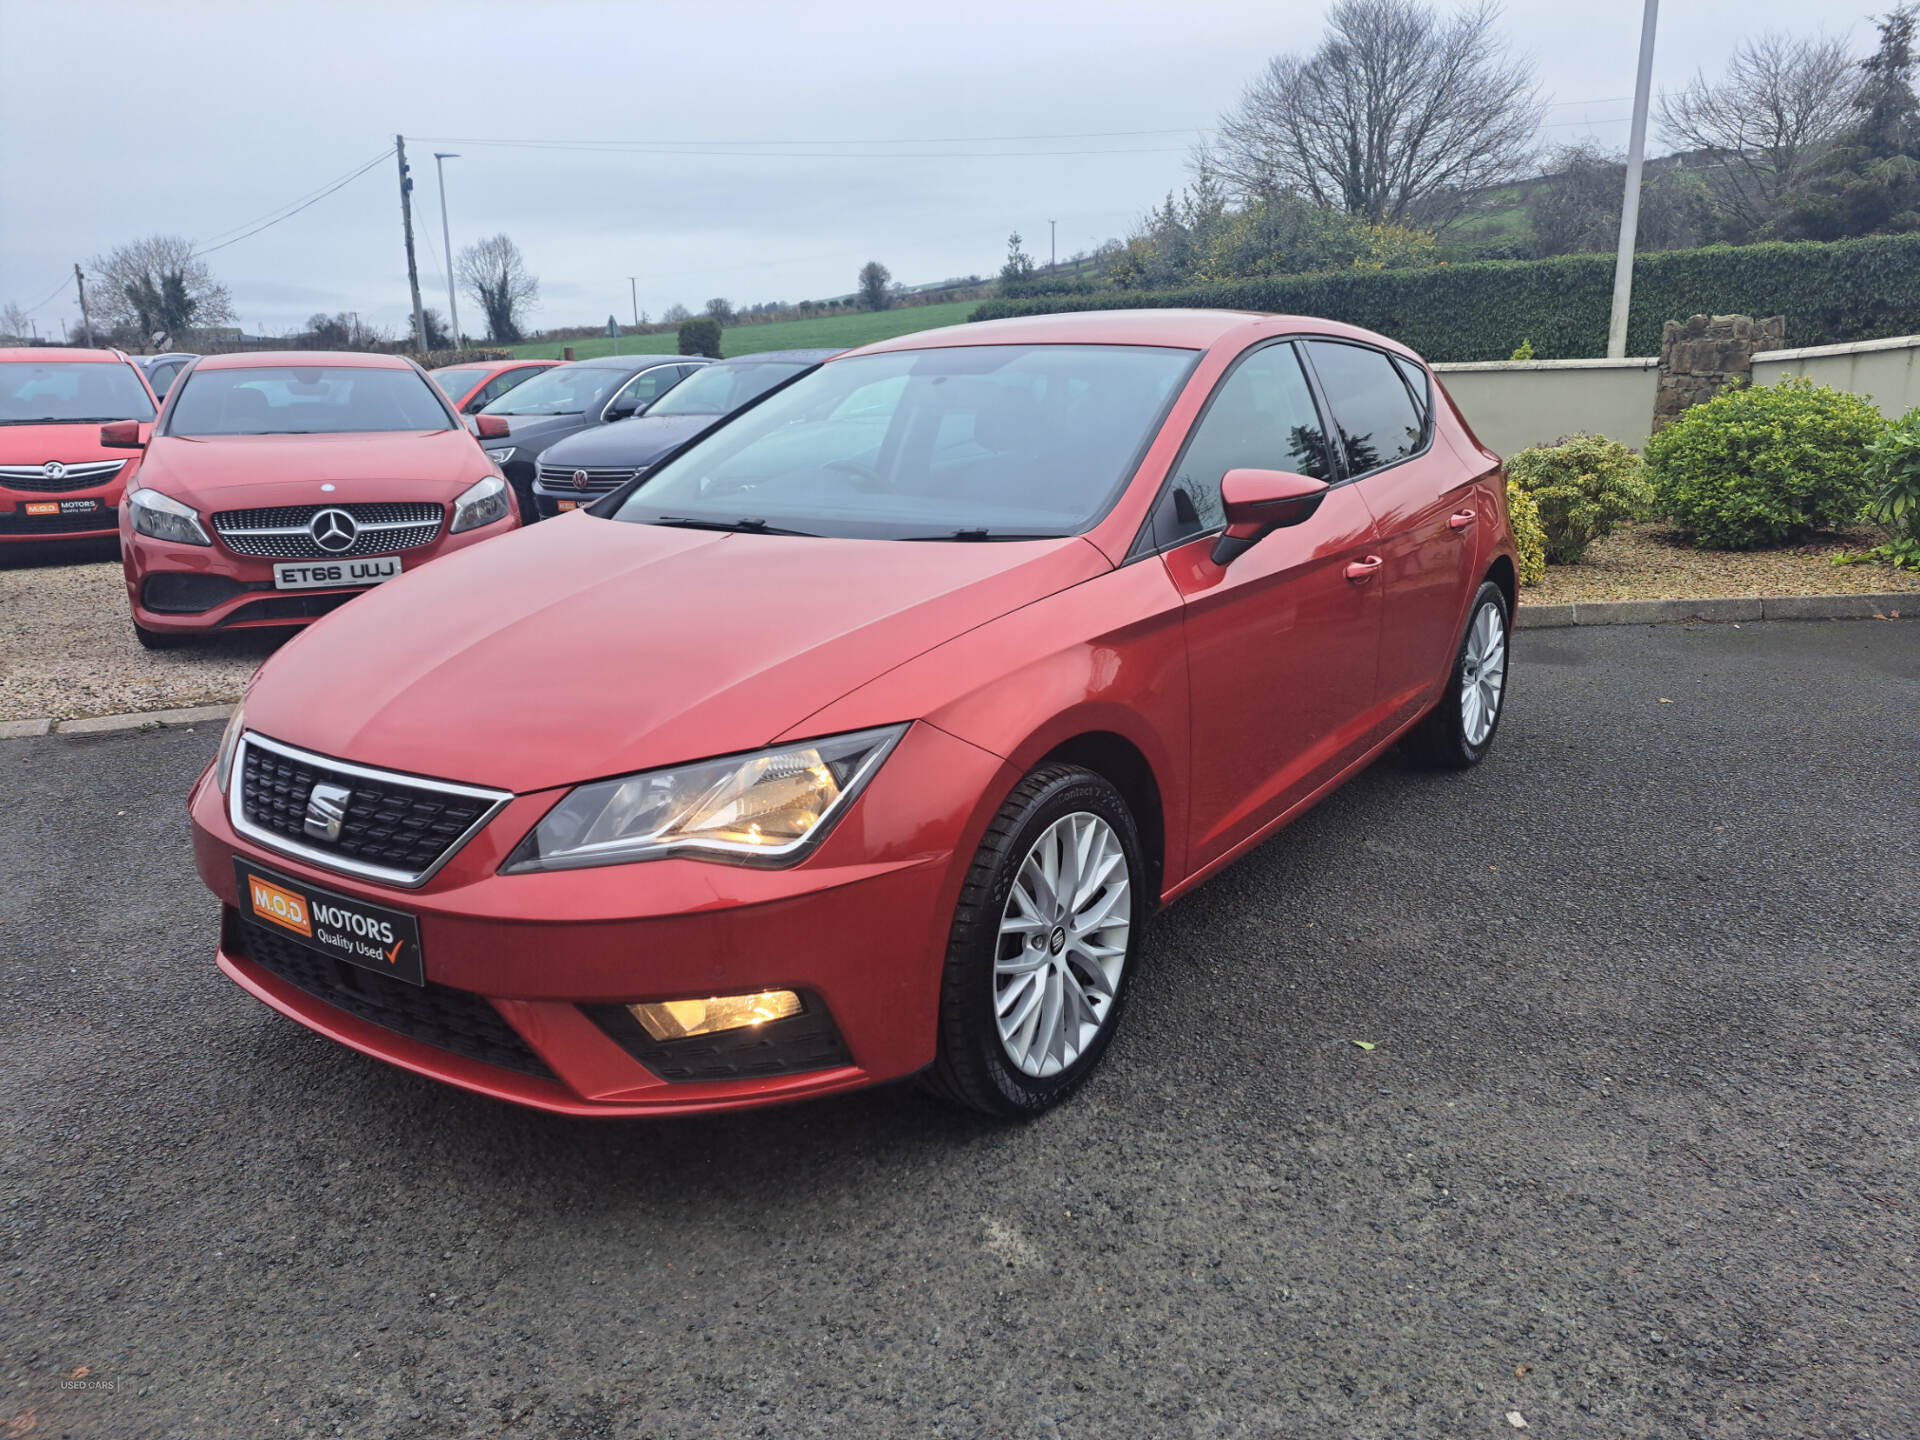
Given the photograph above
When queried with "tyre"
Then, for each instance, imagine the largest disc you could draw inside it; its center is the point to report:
(1041, 951)
(1458, 732)
(155, 640)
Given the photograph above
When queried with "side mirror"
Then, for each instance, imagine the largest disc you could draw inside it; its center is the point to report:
(1257, 501)
(491, 427)
(122, 435)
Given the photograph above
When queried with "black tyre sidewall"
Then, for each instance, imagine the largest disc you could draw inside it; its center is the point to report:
(1489, 593)
(971, 1033)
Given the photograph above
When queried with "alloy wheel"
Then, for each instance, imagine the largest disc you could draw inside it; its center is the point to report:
(1483, 674)
(1063, 944)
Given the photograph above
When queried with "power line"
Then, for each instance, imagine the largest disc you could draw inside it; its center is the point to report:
(635, 148)
(868, 140)
(51, 298)
(287, 214)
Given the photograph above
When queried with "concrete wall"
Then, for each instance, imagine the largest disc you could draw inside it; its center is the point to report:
(1888, 371)
(1512, 404)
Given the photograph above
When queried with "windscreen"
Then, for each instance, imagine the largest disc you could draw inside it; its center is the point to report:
(722, 389)
(974, 442)
(40, 392)
(455, 383)
(304, 400)
(563, 390)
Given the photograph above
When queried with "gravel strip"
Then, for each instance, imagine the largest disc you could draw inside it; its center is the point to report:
(1651, 562)
(67, 647)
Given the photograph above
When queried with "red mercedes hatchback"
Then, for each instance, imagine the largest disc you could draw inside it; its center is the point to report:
(278, 486)
(862, 736)
(57, 480)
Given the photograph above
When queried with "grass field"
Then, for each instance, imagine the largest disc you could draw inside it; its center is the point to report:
(838, 332)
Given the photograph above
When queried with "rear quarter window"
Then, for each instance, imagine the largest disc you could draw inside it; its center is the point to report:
(1373, 411)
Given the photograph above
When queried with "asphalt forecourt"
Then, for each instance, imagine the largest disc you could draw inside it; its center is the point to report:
(1577, 1089)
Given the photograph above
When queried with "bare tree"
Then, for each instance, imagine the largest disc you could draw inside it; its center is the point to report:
(1766, 122)
(674, 314)
(496, 275)
(721, 309)
(155, 285)
(1399, 115)
(874, 280)
(13, 323)
(1575, 208)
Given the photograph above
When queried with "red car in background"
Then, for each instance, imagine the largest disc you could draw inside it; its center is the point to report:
(472, 387)
(861, 737)
(57, 480)
(276, 487)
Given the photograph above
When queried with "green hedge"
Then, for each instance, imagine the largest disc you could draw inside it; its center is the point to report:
(1830, 293)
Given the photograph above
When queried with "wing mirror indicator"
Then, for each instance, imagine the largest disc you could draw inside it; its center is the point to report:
(1259, 501)
(492, 427)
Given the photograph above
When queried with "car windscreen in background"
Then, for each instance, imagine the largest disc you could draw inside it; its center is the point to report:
(722, 389)
(986, 441)
(304, 400)
(563, 390)
(455, 383)
(70, 391)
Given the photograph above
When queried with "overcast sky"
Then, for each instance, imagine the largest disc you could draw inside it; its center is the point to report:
(119, 120)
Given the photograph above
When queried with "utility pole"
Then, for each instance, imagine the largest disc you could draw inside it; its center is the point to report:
(634, 286)
(406, 221)
(446, 245)
(1630, 201)
(1053, 250)
(86, 325)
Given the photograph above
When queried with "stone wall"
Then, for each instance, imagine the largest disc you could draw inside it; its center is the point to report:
(1700, 357)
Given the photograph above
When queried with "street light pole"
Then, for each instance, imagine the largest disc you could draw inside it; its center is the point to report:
(1053, 249)
(1630, 201)
(634, 286)
(446, 244)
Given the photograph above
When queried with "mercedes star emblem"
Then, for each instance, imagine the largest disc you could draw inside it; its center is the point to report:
(333, 531)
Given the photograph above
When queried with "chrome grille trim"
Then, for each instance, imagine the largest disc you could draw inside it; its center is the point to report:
(404, 879)
(599, 477)
(81, 475)
(280, 533)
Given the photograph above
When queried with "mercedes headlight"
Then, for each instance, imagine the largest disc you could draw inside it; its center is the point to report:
(165, 518)
(486, 502)
(768, 808)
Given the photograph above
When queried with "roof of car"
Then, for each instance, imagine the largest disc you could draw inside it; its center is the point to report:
(147, 362)
(1183, 329)
(781, 357)
(57, 352)
(633, 362)
(254, 359)
(491, 365)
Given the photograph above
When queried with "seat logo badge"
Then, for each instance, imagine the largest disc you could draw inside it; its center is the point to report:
(334, 531)
(54, 470)
(580, 478)
(326, 810)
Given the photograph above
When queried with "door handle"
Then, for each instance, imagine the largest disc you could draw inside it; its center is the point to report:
(1461, 521)
(1360, 571)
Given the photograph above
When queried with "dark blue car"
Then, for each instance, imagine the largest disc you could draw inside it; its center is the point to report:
(580, 469)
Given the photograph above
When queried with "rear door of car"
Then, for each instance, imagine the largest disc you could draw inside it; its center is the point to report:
(1281, 643)
(1423, 501)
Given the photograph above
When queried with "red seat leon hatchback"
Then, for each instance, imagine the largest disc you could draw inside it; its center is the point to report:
(859, 739)
(276, 487)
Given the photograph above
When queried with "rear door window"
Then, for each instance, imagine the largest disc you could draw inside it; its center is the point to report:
(1373, 410)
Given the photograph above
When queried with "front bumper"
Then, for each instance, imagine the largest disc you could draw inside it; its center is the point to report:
(27, 517)
(551, 500)
(860, 928)
(179, 589)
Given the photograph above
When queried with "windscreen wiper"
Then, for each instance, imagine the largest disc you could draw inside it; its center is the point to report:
(748, 524)
(67, 420)
(981, 532)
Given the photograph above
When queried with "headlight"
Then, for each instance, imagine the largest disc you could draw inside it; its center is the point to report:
(229, 742)
(165, 518)
(767, 808)
(485, 503)
(500, 457)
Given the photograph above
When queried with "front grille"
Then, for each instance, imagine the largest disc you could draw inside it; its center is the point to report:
(598, 480)
(403, 827)
(437, 1015)
(18, 522)
(280, 533)
(82, 476)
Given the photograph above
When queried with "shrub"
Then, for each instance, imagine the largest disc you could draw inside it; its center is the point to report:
(700, 336)
(1529, 540)
(1522, 351)
(1848, 290)
(1893, 474)
(1583, 487)
(1759, 465)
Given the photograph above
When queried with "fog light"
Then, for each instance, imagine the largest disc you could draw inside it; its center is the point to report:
(677, 1019)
